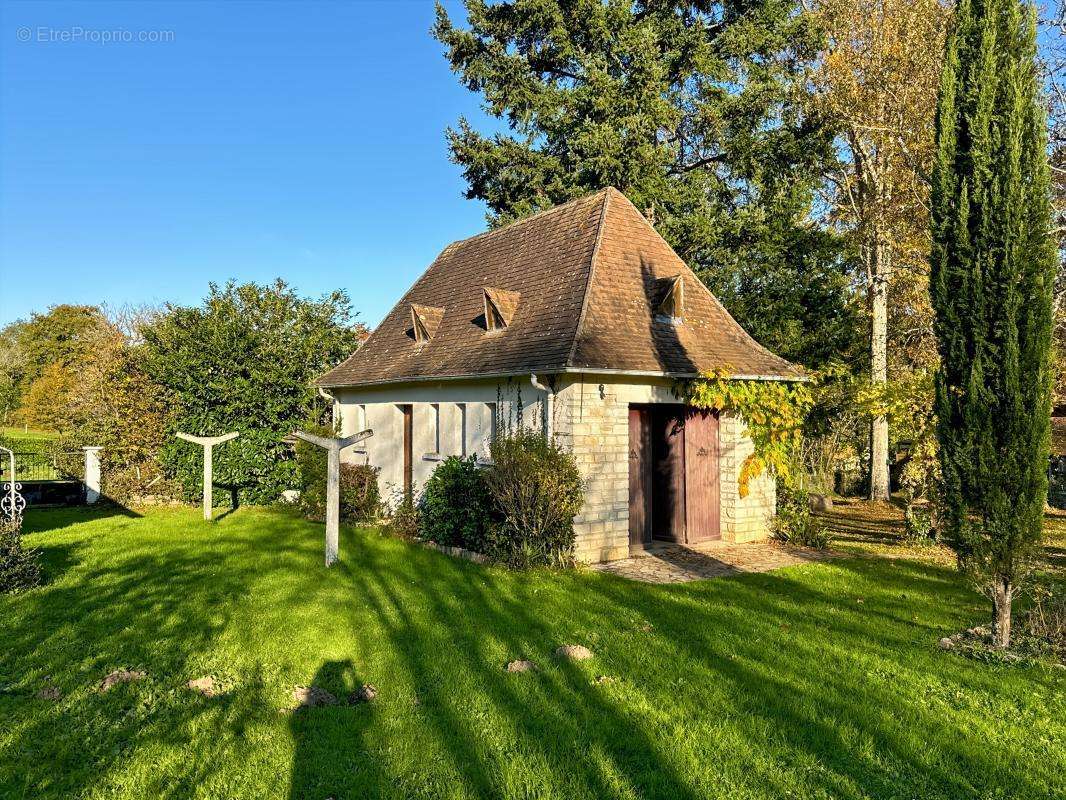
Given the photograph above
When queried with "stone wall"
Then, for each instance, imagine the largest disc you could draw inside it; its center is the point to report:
(592, 418)
(744, 519)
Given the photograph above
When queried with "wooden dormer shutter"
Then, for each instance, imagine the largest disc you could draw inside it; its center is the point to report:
(500, 307)
(424, 321)
(672, 302)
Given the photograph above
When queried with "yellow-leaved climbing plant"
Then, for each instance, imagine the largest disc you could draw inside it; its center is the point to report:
(773, 412)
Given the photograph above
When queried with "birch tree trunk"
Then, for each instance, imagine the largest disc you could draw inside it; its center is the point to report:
(879, 270)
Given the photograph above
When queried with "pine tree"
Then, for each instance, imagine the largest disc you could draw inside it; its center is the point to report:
(695, 111)
(992, 272)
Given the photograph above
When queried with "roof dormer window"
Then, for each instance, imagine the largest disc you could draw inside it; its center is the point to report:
(424, 321)
(671, 306)
(500, 307)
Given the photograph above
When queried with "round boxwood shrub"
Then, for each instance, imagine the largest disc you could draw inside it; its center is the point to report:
(455, 508)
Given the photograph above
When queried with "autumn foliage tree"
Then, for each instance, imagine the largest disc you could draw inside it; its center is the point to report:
(117, 406)
(993, 272)
(41, 357)
(876, 83)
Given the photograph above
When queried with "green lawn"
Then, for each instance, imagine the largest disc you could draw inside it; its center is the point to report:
(817, 681)
(15, 432)
(34, 459)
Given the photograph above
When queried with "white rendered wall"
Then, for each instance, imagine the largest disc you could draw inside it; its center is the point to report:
(466, 423)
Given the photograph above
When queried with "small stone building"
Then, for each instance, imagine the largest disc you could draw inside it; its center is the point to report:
(580, 319)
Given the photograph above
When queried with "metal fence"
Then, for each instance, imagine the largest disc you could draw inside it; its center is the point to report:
(44, 466)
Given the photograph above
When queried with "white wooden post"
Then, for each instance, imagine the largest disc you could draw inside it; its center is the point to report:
(92, 474)
(333, 449)
(207, 442)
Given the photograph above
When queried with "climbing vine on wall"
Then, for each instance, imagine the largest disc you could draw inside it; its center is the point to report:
(773, 412)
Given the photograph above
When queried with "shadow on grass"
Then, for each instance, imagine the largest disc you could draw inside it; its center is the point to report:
(234, 490)
(53, 519)
(759, 685)
(56, 560)
(118, 601)
(835, 734)
(330, 750)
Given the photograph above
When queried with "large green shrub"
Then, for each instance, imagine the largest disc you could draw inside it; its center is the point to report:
(795, 523)
(245, 361)
(536, 492)
(456, 508)
(19, 566)
(359, 500)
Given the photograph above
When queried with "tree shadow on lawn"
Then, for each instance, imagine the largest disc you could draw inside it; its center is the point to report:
(757, 685)
(40, 520)
(135, 606)
(550, 729)
(877, 737)
(834, 712)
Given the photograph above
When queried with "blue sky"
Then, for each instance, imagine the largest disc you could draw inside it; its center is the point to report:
(258, 139)
(300, 140)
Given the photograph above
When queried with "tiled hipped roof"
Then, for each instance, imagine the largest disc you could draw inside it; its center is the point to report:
(588, 280)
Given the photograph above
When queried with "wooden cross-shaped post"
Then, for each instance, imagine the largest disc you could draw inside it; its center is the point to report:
(208, 442)
(333, 483)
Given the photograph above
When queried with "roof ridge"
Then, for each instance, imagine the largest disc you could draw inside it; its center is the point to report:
(539, 215)
(600, 225)
(583, 270)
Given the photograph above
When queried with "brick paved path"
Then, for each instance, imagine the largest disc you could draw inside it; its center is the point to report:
(679, 564)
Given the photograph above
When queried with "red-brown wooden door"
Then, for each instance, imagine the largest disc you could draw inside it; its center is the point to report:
(702, 499)
(639, 478)
(667, 429)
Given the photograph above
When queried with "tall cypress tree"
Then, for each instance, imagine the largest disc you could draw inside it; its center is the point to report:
(993, 268)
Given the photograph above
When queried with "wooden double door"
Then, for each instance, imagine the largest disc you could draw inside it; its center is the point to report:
(673, 475)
